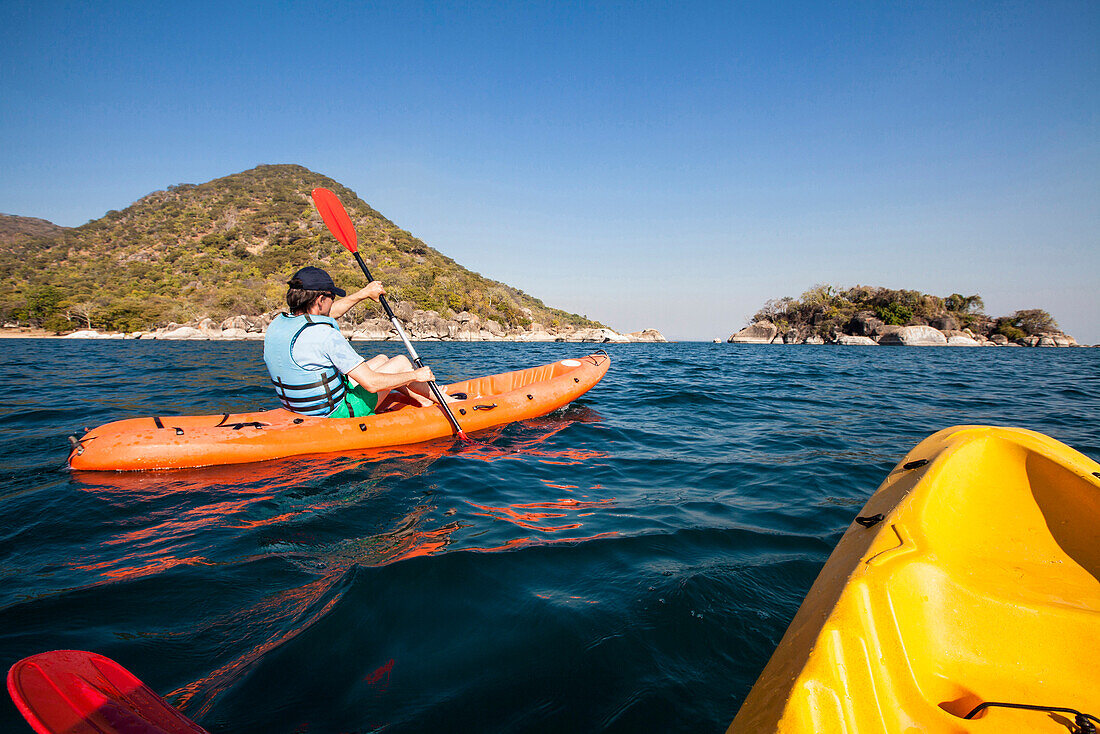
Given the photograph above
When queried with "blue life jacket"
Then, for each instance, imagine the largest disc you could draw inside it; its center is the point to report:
(306, 391)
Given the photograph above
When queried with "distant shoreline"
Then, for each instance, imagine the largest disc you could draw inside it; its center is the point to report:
(31, 333)
(587, 336)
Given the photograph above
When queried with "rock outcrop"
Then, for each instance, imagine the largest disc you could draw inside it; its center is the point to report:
(762, 332)
(944, 323)
(914, 336)
(956, 338)
(864, 323)
(852, 340)
(1057, 340)
(184, 332)
(93, 334)
(884, 329)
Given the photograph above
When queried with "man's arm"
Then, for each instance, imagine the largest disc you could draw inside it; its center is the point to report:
(375, 381)
(373, 291)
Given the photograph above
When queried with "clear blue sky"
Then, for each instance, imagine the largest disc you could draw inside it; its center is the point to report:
(669, 165)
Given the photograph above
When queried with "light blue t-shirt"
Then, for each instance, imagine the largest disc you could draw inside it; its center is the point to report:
(318, 347)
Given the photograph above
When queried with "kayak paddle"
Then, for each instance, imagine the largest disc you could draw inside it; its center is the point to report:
(339, 223)
(77, 692)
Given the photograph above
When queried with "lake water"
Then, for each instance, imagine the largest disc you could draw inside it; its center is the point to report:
(627, 563)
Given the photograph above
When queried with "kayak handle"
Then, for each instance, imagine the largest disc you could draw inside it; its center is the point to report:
(1081, 719)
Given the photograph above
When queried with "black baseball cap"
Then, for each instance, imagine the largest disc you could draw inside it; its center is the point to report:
(315, 279)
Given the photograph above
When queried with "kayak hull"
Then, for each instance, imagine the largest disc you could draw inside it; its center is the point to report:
(972, 575)
(191, 441)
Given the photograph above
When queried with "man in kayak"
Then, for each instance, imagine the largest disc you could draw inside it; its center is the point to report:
(313, 367)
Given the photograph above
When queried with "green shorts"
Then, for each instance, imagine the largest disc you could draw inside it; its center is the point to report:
(359, 402)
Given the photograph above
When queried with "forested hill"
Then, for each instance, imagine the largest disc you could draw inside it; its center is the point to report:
(228, 247)
(15, 229)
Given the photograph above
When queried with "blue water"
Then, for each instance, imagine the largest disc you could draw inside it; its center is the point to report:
(627, 563)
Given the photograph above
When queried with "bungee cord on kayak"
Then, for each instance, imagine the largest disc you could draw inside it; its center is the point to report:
(1082, 720)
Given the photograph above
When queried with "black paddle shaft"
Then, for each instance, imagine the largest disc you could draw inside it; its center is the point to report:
(412, 352)
(381, 299)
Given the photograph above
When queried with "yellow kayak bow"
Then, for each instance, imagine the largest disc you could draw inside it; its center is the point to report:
(970, 579)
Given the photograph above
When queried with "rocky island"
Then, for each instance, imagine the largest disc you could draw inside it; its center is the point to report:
(872, 316)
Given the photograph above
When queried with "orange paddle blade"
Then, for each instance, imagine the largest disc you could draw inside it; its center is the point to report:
(336, 218)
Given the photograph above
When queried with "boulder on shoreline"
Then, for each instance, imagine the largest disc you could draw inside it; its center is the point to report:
(762, 332)
(944, 323)
(914, 336)
(864, 323)
(851, 340)
(956, 338)
(183, 332)
(93, 334)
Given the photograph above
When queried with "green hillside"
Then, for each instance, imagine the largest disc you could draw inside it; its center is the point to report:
(228, 247)
(15, 229)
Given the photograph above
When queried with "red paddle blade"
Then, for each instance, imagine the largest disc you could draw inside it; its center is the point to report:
(336, 218)
(76, 692)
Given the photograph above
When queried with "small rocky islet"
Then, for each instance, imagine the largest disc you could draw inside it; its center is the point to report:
(916, 335)
(873, 316)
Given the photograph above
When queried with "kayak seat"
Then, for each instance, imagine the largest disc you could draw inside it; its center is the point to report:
(955, 603)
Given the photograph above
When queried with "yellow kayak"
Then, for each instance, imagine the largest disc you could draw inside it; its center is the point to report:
(970, 579)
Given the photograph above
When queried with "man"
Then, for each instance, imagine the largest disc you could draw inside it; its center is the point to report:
(313, 367)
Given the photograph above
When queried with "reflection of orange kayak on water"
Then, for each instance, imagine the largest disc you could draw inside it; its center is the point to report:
(260, 480)
(165, 442)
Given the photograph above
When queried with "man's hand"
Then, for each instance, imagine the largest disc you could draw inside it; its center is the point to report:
(341, 306)
(373, 291)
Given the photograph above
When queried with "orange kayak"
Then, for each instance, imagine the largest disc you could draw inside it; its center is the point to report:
(171, 442)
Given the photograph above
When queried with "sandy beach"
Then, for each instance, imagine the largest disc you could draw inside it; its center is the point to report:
(28, 333)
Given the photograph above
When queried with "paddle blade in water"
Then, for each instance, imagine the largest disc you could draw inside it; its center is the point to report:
(78, 692)
(336, 218)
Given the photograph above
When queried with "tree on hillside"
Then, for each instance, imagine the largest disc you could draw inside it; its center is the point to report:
(964, 304)
(81, 311)
(42, 302)
(774, 309)
(894, 314)
(1029, 321)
